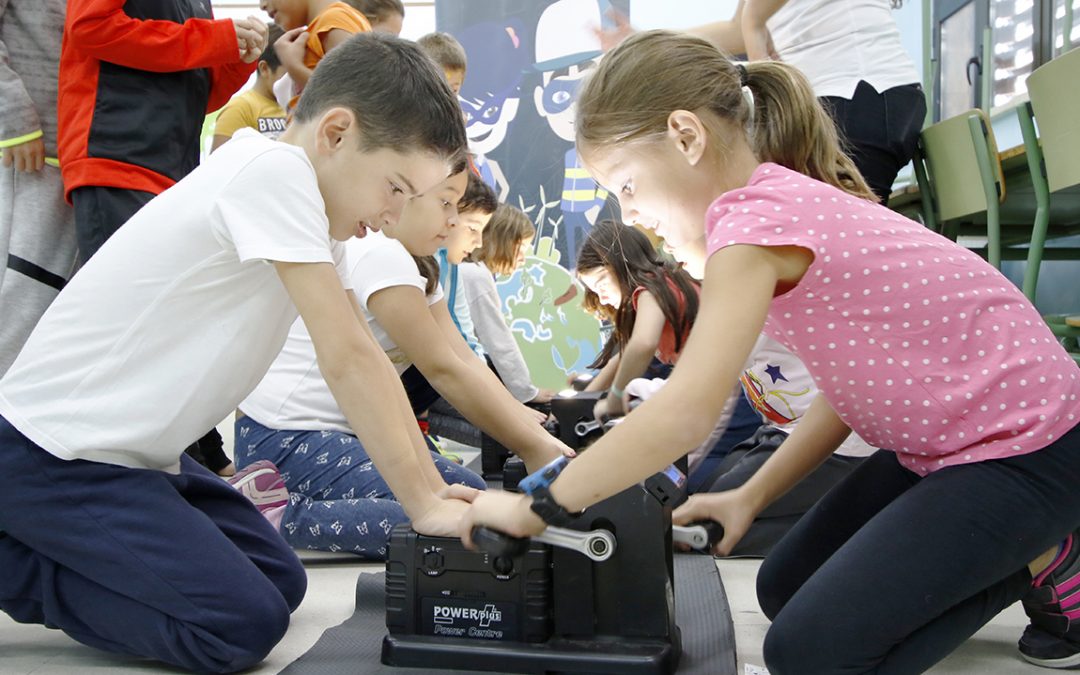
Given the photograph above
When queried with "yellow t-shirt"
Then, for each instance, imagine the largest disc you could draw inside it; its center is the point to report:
(251, 109)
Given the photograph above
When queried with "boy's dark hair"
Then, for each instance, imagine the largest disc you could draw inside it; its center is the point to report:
(400, 99)
(635, 262)
(377, 10)
(445, 50)
(478, 197)
(269, 55)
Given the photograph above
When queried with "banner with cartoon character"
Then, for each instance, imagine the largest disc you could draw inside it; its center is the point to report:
(526, 61)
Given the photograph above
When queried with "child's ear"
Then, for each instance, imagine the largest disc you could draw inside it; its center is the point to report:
(336, 127)
(687, 132)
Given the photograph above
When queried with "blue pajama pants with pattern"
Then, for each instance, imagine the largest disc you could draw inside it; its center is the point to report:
(337, 499)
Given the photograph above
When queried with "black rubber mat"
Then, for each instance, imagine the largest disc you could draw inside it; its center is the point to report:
(701, 610)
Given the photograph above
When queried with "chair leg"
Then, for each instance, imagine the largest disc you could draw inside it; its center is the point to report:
(1039, 228)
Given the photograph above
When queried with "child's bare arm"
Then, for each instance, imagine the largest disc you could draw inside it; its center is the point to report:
(334, 37)
(367, 389)
(442, 317)
(636, 355)
(291, 48)
(643, 343)
(605, 377)
(758, 41)
(727, 35)
(819, 432)
(423, 454)
(739, 285)
(403, 312)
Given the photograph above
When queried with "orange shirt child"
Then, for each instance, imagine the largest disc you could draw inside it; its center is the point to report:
(338, 15)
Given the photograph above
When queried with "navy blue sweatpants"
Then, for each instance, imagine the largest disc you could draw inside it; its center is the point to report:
(117, 559)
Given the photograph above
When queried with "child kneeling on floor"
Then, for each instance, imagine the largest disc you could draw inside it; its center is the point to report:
(107, 529)
(916, 343)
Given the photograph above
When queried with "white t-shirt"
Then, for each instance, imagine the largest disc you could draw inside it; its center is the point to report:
(837, 43)
(177, 317)
(294, 395)
(781, 389)
(477, 286)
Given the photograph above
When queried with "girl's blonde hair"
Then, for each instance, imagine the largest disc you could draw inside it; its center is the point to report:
(640, 83)
(508, 227)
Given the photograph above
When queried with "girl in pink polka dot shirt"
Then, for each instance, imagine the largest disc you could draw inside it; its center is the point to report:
(914, 342)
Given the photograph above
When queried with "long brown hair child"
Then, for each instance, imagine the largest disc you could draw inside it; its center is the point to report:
(650, 300)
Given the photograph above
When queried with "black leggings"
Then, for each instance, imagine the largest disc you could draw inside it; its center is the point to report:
(770, 526)
(880, 130)
(905, 568)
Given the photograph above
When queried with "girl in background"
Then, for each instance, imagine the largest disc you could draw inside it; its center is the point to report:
(507, 238)
(650, 301)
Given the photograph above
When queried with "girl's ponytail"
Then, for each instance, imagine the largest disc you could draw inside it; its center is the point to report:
(790, 127)
(642, 81)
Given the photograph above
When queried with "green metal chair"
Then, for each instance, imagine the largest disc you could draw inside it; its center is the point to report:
(960, 179)
(966, 192)
(1054, 164)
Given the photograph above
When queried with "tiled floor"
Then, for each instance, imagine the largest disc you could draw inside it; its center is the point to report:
(26, 650)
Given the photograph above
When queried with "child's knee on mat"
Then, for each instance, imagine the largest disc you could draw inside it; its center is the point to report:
(770, 598)
(793, 648)
(264, 623)
(293, 587)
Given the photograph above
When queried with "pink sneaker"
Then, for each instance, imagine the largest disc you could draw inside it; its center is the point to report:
(261, 483)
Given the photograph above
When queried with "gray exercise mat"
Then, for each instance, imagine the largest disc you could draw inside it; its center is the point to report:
(701, 610)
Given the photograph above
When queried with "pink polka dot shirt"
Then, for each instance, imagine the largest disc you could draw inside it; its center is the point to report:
(918, 344)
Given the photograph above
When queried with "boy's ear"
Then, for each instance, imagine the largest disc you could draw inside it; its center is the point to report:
(687, 132)
(337, 126)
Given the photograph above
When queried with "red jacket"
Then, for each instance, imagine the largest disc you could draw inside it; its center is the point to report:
(137, 77)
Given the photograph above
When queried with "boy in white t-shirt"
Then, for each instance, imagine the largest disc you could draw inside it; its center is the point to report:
(106, 527)
(338, 500)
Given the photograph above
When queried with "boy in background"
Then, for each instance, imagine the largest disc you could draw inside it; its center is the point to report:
(106, 528)
(37, 228)
(255, 108)
(448, 53)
